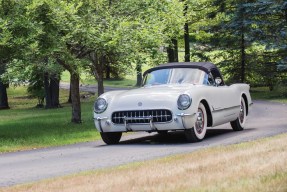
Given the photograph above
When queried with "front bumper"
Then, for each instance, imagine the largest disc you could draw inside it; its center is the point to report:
(179, 121)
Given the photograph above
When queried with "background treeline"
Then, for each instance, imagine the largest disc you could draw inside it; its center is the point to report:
(39, 39)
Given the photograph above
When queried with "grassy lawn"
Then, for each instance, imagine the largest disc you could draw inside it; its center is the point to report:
(263, 93)
(26, 127)
(253, 166)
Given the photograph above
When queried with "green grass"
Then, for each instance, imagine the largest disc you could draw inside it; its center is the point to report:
(279, 94)
(26, 127)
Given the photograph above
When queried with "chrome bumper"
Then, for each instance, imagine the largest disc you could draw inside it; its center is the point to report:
(178, 118)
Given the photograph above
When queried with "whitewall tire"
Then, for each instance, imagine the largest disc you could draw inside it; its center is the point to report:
(197, 133)
(238, 124)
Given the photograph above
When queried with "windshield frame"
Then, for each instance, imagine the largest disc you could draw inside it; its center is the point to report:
(173, 75)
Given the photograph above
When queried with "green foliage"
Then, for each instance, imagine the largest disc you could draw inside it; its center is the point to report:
(36, 86)
(247, 39)
(124, 32)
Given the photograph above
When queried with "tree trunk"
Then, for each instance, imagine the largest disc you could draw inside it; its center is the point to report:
(70, 98)
(101, 76)
(54, 88)
(186, 38)
(3, 96)
(47, 91)
(97, 68)
(3, 89)
(75, 96)
(101, 89)
(186, 43)
(75, 92)
(243, 51)
(108, 71)
(172, 51)
(139, 74)
(243, 59)
(51, 86)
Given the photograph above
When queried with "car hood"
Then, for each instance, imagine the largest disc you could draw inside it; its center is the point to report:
(150, 97)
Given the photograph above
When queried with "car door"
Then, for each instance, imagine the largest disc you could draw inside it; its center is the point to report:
(223, 100)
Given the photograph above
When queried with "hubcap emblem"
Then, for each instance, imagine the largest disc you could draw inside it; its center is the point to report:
(140, 104)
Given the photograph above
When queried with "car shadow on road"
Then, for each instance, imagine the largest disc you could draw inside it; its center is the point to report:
(177, 137)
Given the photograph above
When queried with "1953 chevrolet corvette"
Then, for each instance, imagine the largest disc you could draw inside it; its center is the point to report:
(175, 96)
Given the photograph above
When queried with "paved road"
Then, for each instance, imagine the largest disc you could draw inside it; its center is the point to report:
(267, 119)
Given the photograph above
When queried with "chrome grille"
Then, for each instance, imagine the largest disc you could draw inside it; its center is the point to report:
(142, 116)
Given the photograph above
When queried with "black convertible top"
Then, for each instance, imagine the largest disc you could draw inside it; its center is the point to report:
(205, 66)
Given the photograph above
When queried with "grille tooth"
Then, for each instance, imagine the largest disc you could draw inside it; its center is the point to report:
(147, 116)
(131, 114)
(136, 115)
(122, 119)
(165, 115)
(142, 116)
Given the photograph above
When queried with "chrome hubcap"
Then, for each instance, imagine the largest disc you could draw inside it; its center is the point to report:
(199, 124)
(241, 113)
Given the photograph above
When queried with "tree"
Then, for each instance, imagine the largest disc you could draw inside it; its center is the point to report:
(227, 29)
(35, 86)
(55, 50)
(156, 25)
(51, 86)
(46, 44)
(3, 93)
(122, 31)
(233, 38)
(151, 25)
(270, 19)
(15, 33)
(5, 35)
(246, 38)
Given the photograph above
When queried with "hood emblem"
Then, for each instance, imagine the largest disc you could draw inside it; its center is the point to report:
(140, 104)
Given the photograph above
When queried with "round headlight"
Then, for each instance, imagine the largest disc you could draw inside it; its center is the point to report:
(183, 101)
(100, 105)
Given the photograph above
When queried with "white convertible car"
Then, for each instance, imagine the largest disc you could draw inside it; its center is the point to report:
(174, 96)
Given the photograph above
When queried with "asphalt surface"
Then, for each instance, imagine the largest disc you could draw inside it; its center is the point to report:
(266, 119)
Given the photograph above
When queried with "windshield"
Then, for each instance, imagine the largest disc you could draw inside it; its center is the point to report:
(176, 76)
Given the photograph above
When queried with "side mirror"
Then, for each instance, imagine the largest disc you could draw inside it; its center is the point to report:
(218, 81)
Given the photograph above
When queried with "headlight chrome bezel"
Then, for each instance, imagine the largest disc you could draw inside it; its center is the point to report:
(184, 98)
(100, 107)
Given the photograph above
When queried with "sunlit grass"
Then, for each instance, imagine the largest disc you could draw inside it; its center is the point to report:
(279, 94)
(19, 98)
(26, 127)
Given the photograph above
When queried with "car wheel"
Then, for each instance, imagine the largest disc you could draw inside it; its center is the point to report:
(111, 138)
(197, 133)
(238, 124)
